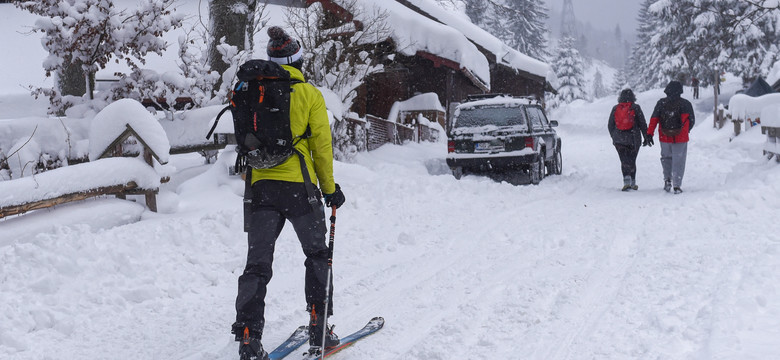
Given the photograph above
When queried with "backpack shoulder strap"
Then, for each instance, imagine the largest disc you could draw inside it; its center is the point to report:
(226, 108)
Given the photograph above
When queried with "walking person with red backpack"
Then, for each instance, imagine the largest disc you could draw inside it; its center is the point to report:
(674, 117)
(628, 128)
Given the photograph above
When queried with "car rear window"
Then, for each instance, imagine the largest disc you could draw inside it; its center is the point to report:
(493, 115)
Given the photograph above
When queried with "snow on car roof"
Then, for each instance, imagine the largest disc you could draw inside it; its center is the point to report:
(499, 100)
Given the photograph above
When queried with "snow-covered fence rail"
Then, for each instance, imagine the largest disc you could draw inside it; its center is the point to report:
(111, 176)
(745, 109)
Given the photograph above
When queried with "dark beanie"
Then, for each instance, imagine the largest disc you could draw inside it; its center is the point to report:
(282, 49)
(674, 88)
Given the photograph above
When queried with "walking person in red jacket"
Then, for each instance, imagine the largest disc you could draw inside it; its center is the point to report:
(628, 129)
(674, 117)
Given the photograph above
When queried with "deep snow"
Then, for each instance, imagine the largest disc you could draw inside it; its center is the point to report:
(570, 269)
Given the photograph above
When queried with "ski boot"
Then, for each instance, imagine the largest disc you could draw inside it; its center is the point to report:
(316, 323)
(250, 347)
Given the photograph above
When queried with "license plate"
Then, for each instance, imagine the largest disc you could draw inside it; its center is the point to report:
(487, 146)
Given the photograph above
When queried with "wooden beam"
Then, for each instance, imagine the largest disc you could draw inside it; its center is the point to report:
(81, 195)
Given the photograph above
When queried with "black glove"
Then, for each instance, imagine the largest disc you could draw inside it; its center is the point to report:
(648, 141)
(336, 199)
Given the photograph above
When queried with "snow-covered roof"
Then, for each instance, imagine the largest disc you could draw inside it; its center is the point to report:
(112, 121)
(504, 54)
(413, 32)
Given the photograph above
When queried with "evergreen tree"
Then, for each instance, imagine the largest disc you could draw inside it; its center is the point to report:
(528, 26)
(680, 39)
(521, 24)
(569, 70)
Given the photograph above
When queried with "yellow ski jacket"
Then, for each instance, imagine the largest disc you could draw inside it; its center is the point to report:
(307, 108)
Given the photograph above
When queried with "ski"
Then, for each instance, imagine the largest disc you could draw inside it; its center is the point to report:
(299, 337)
(371, 327)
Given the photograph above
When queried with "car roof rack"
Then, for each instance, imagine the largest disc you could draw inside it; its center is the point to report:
(475, 97)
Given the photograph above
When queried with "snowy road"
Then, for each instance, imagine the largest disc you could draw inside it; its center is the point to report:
(570, 269)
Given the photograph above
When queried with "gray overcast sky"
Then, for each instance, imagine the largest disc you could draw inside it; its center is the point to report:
(602, 13)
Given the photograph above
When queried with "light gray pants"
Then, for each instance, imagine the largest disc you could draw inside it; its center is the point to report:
(673, 156)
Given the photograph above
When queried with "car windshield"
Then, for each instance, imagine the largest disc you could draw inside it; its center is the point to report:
(494, 115)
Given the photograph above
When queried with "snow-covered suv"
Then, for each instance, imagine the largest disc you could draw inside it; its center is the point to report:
(505, 137)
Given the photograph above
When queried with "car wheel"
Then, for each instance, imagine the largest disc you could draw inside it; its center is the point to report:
(457, 172)
(557, 164)
(537, 170)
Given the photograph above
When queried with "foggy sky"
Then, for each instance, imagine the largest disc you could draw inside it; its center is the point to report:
(604, 14)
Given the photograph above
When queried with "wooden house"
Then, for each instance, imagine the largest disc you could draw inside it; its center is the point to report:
(430, 51)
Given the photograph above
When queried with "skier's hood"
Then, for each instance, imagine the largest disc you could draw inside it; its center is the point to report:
(626, 96)
(674, 88)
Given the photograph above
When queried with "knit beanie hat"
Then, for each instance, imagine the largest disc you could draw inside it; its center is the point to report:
(282, 49)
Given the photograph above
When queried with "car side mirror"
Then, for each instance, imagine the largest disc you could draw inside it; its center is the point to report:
(553, 123)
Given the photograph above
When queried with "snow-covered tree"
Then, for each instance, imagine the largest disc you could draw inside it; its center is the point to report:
(87, 34)
(338, 56)
(568, 69)
(620, 81)
(521, 24)
(680, 39)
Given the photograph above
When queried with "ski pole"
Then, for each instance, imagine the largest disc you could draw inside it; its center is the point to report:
(327, 283)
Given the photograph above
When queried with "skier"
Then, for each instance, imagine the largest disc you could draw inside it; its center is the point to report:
(280, 194)
(695, 84)
(674, 117)
(628, 128)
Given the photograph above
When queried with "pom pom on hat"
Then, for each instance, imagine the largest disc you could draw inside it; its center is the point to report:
(282, 49)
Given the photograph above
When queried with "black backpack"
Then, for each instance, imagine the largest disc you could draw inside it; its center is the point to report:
(260, 104)
(671, 117)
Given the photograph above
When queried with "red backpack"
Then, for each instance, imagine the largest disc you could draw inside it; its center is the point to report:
(624, 116)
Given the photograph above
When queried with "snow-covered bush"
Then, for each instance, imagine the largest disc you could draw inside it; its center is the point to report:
(90, 33)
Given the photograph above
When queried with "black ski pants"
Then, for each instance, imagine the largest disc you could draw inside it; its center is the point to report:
(627, 156)
(274, 202)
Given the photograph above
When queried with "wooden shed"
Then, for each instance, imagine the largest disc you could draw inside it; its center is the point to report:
(433, 69)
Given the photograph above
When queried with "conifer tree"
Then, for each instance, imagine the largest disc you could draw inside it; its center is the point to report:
(569, 70)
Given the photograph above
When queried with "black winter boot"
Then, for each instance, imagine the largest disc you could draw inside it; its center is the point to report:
(316, 323)
(251, 348)
(668, 185)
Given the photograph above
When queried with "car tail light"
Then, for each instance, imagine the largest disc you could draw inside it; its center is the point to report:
(529, 142)
(450, 146)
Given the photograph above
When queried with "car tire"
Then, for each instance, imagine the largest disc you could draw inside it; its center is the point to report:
(537, 170)
(556, 164)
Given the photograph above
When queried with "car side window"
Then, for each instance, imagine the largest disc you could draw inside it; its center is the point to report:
(537, 118)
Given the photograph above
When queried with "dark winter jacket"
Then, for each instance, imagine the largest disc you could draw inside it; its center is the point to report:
(632, 137)
(673, 92)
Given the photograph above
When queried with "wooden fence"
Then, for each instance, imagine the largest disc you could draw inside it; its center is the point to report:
(380, 131)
